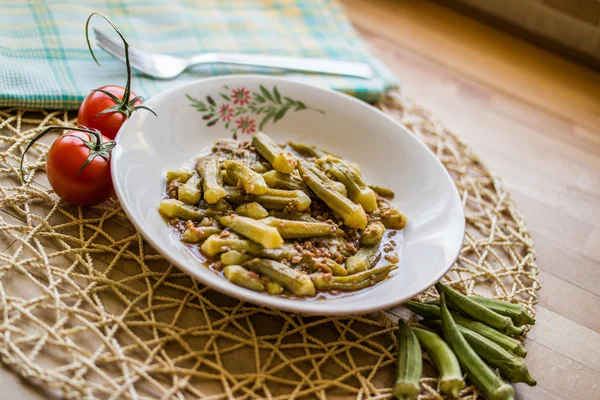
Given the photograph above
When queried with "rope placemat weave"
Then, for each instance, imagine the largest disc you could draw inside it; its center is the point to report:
(89, 309)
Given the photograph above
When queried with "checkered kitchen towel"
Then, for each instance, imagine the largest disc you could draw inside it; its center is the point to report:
(45, 63)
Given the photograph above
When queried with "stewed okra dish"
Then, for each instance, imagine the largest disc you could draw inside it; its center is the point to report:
(285, 219)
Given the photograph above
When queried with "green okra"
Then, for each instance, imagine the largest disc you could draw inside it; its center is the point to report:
(190, 191)
(273, 288)
(183, 174)
(233, 257)
(172, 208)
(352, 282)
(451, 380)
(282, 161)
(432, 311)
(245, 178)
(366, 258)
(208, 168)
(484, 378)
(383, 191)
(252, 210)
(327, 181)
(307, 151)
(353, 215)
(372, 234)
(477, 311)
(390, 217)
(216, 244)
(410, 364)
(304, 216)
(278, 180)
(510, 366)
(193, 234)
(272, 199)
(358, 191)
(300, 229)
(254, 230)
(516, 312)
(291, 279)
(242, 277)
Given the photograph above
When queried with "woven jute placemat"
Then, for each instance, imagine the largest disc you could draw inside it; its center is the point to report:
(89, 309)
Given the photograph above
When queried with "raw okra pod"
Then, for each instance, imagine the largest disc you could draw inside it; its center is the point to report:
(484, 378)
(477, 311)
(410, 364)
(516, 312)
(451, 380)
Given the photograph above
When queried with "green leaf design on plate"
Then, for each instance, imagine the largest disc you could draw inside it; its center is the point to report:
(266, 93)
(276, 95)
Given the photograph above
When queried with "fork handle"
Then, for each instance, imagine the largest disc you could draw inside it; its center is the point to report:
(323, 65)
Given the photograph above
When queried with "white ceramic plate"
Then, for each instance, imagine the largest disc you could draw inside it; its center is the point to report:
(388, 154)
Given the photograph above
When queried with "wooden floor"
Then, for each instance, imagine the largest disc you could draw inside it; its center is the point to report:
(534, 118)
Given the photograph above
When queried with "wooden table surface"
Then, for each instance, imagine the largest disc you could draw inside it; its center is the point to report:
(534, 118)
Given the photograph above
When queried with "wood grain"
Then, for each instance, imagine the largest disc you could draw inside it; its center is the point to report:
(534, 118)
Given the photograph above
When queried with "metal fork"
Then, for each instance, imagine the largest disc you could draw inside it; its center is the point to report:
(163, 66)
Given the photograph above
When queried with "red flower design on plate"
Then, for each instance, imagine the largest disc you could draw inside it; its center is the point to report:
(240, 96)
(246, 125)
(226, 112)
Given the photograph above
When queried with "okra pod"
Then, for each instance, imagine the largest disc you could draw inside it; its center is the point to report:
(244, 278)
(172, 208)
(208, 168)
(183, 174)
(190, 191)
(410, 364)
(358, 191)
(428, 310)
(383, 191)
(366, 258)
(294, 281)
(300, 229)
(278, 180)
(354, 215)
(307, 151)
(352, 282)
(337, 186)
(281, 160)
(193, 234)
(372, 234)
(226, 179)
(390, 217)
(254, 230)
(252, 210)
(245, 178)
(478, 312)
(215, 245)
(233, 257)
(516, 312)
(306, 217)
(273, 287)
(510, 366)
(451, 380)
(272, 199)
(486, 380)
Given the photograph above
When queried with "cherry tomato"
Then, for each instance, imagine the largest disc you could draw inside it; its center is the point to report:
(96, 102)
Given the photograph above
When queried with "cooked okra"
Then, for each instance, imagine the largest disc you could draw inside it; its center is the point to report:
(190, 192)
(208, 168)
(252, 210)
(282, 222)
(282, 161)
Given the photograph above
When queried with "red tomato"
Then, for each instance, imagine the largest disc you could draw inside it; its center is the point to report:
(93, 185)
(96, 102)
